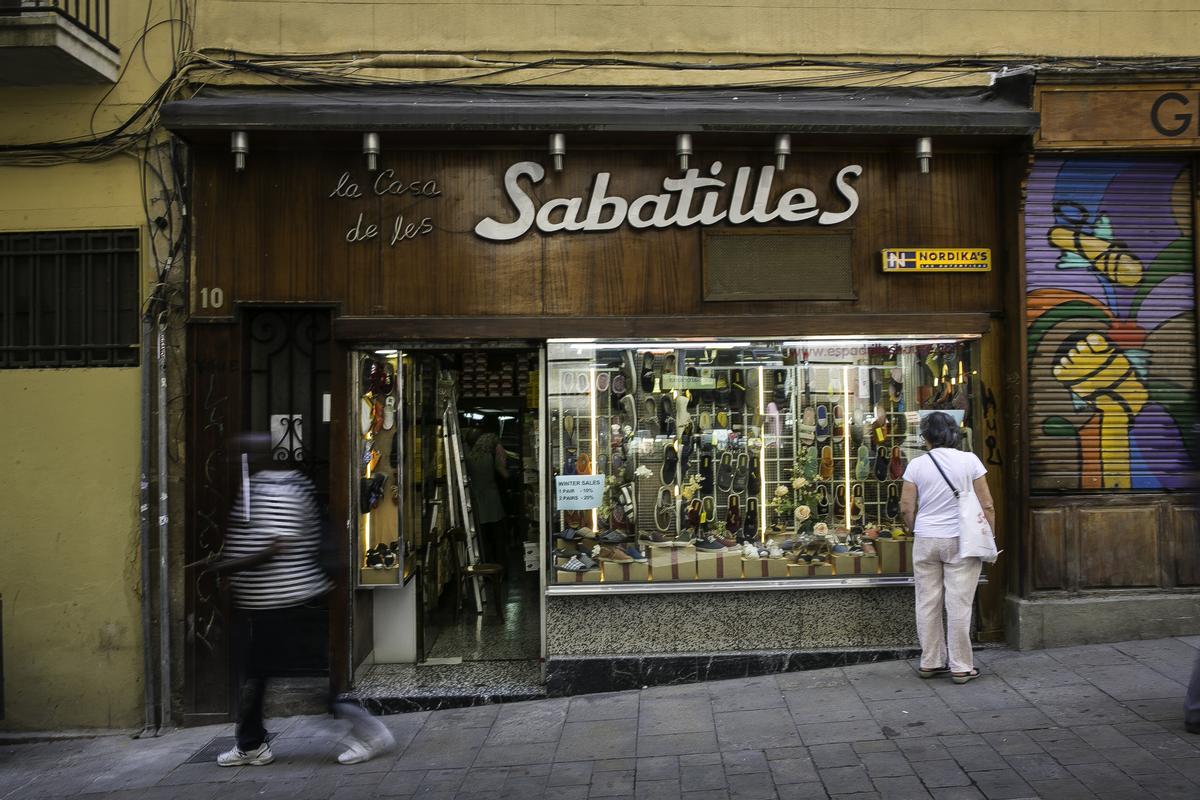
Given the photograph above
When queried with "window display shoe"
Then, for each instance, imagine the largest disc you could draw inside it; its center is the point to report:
(779, 387)
(892, 509)
(862, 464)
(773, 426)
(897, 464)
(669, 472)
(822, 501)
(737, 389)
(706, 472)
(857, 503)
(664, 509)
(625, 498)
(733, 515)
(635, 554)
(839, 501)
(615, 554)
(741, 473)
(683, 417)
(686, 446)
(694, 513)
(656, 537)
(725, 472)
(709, 544)
(822, 422)
(611, 537)
(619, 388)
(754, 480)
(881, 464)
(577, 564)
(708, 510)
(826, 469)
(569, 459)
(750, 526)
(722, 394)
(648, 372)
(236, 757)
(839, 424)
(583, 464)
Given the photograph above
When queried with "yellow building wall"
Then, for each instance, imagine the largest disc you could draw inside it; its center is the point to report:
(70, 438)
(985, 27)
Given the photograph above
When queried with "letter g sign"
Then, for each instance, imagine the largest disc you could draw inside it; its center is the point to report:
(1156, 111)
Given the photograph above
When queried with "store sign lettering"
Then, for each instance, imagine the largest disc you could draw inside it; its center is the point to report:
(674, 207)
(399, 228)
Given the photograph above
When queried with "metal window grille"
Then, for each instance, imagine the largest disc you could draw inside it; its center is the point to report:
(69, 299)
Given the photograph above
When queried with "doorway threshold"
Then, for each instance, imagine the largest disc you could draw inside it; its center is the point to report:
(400, 688)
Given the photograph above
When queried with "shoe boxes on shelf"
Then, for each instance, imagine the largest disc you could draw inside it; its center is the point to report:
(494, 374)
(846, 564)
(615, 572)
(567, 576)
(895, 555)
(670, 563)
(711, 566)
(802, 570)
(765, 567)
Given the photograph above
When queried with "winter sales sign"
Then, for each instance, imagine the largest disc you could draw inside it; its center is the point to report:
(690, 200)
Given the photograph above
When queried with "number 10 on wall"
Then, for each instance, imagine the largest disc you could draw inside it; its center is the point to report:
(212, 297)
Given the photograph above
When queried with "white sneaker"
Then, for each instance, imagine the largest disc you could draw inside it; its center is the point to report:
(239, 758)
(360, 751)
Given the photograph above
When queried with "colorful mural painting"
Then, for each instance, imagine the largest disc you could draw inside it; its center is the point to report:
(1111, 324)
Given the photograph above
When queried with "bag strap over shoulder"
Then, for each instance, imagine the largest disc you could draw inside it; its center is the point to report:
(943, 474)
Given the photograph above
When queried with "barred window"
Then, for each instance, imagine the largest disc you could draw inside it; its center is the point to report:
(69, 299)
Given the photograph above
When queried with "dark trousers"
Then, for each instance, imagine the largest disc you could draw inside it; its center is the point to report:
(1191, 705)
(257, 634)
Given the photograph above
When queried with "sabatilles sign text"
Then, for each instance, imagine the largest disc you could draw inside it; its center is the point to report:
(683, 202)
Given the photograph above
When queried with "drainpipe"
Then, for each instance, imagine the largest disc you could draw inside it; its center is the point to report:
(164, 556)
(150, 726)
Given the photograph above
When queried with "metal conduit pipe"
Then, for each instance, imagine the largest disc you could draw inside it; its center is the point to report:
(150, 725)
(164, 556)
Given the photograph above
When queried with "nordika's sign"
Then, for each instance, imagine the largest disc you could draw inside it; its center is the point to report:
(683, 202)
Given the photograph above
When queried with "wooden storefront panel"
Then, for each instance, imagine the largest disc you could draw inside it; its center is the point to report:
(275, 234)
(1133, 116)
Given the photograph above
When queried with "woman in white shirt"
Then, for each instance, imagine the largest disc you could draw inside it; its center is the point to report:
(930, 510)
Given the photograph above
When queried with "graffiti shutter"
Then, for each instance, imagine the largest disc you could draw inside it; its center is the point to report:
(1110, 313)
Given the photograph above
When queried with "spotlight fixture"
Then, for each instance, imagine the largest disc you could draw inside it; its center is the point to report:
(558, 149)
(924, 153)
(683, 149)
(783, 149)
(239, 145)
(371, 150)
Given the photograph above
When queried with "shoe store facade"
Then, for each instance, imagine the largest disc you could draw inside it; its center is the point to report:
(717, 347)
(1111, 545)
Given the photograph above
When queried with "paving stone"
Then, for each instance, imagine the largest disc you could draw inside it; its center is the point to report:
(930, 749)
(941, 773)
(886, 765)
(888, 680)
(1062, 789)
(688, 715)
(570, 773)
(1131, 682)
(614, 764)
(927, 716)
(962, 740)
(611, 784)
(957, 793)
(739, 762)
(522, 788)
(1161, 709)
(701, 777)
(844, 780)
(778, 753)
(709, 794)
(811, 679)
(1172, 786)
(1102, 736)
(658, 768)
(751, 786)
(746, 694)
(592, 707)
(802, 791)
(1103, 778)
(513, 754)
(745, 730)
(834, 755)
(676, 744)
(977, 758)
(836, 704)
(698, 759)
(985, 693)
(541, 770)
(527, 723)
(900, 788)
(667, 789)
(1037, 767)
(1166, 745)
(1089, 655)
(1070, 755)
(583, 741)
(1006, 719)
(1134, 761)
(875, 746)
(1012, 743)
(794, 770)
(482, 779)
(1001, 784)
(828, 733)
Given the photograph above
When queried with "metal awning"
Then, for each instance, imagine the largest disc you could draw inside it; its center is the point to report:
(1002, 109)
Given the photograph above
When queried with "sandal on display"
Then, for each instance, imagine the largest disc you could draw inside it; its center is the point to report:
(896, 465)
(754, 481)
(650, 415)
(583, 464)
(682, 416)
(569, 458)
(664, 509)
(826, 469)
(648, 372)
(881, 464)
(857, 503)
(839, 424)
(839, 502)
(738, 389)
(686, 448)
(723, 394)
(808, 462)
(708, 510)
(629, 407)
(779, 387)
(722, 420)
(670, 471)
(568, 430)
(750, 526)
(774, 428)
(741, 473)
(822, 500)
(693, 394)
(822, 422)
(706, 470)
(862, 465)
(725, 472)
(694, 513)
(389, 412)
(602, 382)
(705, 421)
(892, 509)
(733, 515)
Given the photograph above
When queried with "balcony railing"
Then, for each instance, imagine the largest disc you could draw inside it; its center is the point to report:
(89, 15)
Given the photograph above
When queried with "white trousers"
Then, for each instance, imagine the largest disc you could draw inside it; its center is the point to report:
(943, 580)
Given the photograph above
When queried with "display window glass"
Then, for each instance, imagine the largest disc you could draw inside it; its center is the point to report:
(741, 460)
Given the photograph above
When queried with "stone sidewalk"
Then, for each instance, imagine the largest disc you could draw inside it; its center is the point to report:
(1098, 721)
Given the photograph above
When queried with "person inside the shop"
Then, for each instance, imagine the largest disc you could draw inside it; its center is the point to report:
(274, 554)
(943, 579)
(487, 465)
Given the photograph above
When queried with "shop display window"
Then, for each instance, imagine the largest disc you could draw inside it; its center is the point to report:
(379, 422)
(722, 460)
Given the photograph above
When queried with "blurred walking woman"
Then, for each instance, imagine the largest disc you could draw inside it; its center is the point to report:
(930, 511)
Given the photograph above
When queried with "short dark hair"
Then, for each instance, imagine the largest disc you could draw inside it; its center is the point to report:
(940, 430)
